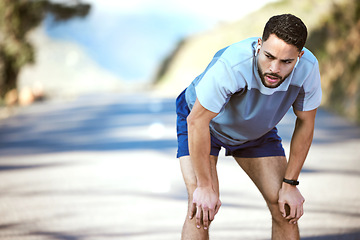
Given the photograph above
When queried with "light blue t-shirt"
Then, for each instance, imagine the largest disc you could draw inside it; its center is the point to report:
(231, 86)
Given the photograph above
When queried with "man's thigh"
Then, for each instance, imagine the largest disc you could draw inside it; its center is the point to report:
(190, 177)
(267, 173)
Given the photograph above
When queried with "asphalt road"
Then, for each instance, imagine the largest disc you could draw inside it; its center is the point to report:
(104, 167)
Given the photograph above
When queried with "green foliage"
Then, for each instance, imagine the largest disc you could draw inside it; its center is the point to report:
(336, 44)
(17, 18)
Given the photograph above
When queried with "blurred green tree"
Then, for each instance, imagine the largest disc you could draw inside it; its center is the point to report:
(17, 18)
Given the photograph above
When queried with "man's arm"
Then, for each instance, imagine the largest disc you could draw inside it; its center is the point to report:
(299, 148)
(205, 199)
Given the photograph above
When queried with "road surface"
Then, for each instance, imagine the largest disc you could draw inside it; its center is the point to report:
(104, 167)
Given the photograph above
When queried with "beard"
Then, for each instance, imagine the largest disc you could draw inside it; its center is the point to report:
(274, 75)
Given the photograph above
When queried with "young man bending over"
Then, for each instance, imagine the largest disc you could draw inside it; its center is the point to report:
(236, 104)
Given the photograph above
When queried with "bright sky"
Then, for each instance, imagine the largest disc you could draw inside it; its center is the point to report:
(225, 10)
(131, 37)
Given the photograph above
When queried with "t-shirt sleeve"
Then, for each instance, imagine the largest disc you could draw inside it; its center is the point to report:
(310, 94)
(216, 86)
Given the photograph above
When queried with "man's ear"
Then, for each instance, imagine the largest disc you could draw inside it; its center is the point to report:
(298, 58)
(301, 54)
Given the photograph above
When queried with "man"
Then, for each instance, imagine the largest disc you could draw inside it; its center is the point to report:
(236, 104)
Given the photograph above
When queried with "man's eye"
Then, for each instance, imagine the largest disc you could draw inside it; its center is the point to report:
(268, 56)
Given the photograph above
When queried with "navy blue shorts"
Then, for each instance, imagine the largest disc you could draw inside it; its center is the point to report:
(265, 146)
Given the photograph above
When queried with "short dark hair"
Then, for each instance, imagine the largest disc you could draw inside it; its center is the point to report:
(288, 28)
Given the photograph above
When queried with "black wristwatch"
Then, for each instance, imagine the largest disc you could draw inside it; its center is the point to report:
(291, 182)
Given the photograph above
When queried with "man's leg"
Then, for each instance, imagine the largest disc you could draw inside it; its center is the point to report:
(190, 231)
(267, 174)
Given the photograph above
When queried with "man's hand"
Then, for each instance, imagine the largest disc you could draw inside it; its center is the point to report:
(206, 204)
(291, 196)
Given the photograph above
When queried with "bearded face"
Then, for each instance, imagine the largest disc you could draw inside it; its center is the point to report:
(276, 60)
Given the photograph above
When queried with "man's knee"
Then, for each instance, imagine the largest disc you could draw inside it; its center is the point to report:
(276, 214)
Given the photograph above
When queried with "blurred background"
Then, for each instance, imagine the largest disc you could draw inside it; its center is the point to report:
(63, 49)
(87, 116)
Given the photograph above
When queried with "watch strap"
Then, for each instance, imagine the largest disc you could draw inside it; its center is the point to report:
(291, 182)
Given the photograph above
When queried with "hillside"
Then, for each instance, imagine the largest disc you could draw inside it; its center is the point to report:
(64, 70)
(329, 35)
(336, 44)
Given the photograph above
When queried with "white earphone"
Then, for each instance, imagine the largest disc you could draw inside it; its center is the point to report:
(297, 62)
(257, 50)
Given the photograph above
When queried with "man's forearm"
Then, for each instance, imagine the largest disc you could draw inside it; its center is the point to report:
(199, 147)
(199, 143)
(299, 147)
